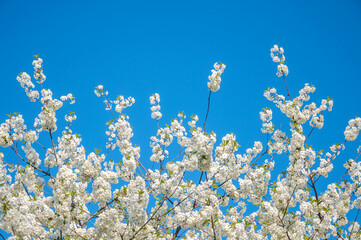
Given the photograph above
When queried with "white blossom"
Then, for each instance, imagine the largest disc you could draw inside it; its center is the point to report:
(215, 78)
(155, 100)
(277, 55)
(198, 188)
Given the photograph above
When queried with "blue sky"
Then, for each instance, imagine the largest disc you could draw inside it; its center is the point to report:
(137, 48)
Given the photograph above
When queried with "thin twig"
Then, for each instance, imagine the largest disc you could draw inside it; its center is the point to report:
(173, 159)
(200, 179)
(254, 161)
(39, 169)
(209, 103)
(288, 202)
(284, 79)
(353, 225)
(214, 231)
(95, 214)
(309, 134)
(53, 146)
(154, 213)
(347, 169)
(316, 195)
(332, 158)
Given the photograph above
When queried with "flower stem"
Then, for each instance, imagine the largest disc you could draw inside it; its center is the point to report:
(288, 92)
(209, 103)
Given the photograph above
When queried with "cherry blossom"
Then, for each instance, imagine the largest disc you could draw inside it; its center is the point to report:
(200, 186)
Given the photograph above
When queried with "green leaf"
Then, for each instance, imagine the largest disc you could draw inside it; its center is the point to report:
(97, 151)
(325, 209)
(109, 122)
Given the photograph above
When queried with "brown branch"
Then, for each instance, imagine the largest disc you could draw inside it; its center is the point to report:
(39, 169)
(284, 79)
(53, 146)
(353, 225)
(176, 232)
(160, 205)
(214, 231)
(254, 161)
(97, 212)
(309, 135)
(316, 195)
(347, 169)
(209, 103)
(288, 203)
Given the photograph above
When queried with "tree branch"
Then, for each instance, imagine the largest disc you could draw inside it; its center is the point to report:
(209, 103)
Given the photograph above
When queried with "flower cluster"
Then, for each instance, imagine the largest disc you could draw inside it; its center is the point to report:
(194, 120)
(120, 133)
(277, 55)
(122, 103)
(202, 188)
(68, 97)
(46, 120)
(70, 118)
(99, 90)
(266, 117)
(12, 130)
(25, 82)
(353, 129)
(154, 101)
(199, 152)
(215, 79)
(295, 109)
(38, 70)
(158, 144)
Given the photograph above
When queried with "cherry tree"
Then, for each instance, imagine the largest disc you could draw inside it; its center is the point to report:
(58, 190)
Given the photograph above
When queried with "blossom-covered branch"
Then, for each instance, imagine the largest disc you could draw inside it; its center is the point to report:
(277, 189)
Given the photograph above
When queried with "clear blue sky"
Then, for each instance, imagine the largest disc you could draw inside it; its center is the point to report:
(137, 48)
